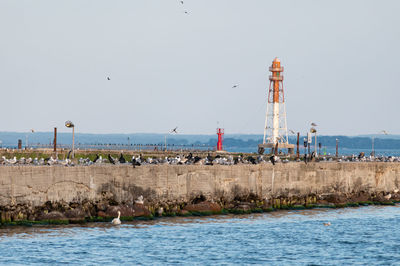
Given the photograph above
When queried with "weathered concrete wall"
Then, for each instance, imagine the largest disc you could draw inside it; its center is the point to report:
(35, 185)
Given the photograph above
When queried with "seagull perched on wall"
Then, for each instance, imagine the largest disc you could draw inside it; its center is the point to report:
(121, 159)
(111, 159)
(140, 200)
(388, 196)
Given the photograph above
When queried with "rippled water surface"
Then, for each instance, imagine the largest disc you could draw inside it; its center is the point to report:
(365, 235)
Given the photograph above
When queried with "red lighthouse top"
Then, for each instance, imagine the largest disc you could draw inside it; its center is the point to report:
(275, 92)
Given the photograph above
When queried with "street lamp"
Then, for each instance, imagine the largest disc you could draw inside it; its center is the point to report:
(69, 124)
(373, 141)
(314, 130)
(26, 138)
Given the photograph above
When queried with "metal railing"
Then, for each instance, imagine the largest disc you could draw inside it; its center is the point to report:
(119, 146)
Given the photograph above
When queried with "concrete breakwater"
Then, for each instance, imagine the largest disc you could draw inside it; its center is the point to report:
(97, 192)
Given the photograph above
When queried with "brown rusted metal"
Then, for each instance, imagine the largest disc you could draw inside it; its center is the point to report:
(55, 139)
(298, 148)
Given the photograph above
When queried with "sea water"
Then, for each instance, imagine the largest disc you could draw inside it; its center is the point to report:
(363, 235)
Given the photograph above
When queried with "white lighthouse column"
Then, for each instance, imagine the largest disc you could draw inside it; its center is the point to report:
(275, 123)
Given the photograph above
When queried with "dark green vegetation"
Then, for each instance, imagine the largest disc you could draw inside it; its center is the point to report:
(238, 210)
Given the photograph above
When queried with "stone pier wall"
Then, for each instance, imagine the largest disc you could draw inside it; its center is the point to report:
(36, 185)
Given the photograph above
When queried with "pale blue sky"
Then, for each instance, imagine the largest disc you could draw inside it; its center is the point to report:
(168, 68)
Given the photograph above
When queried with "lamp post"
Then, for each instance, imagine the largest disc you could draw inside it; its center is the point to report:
(313, 130)
(27, 137)
(69, 124)
(373, 142)
(337, 148)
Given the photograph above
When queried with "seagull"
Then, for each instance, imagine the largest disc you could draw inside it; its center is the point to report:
(186, 12)
(174, 130)
(182, 2)
(108, 78)
(139, 200)
(314, 125)
(13, 161)
(121, 159)
(235, 86)
(384, 132)
(272, 159)
(291, 131)
(388, 196)
(111, 159)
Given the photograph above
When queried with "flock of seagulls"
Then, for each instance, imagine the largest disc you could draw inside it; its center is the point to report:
(362, 158)
(179, 159)
(139, 160)
(35, 161)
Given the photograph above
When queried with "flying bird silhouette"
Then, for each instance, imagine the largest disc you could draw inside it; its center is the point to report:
(174, 130)
(108, 78)
(235, 86)
(314, 125)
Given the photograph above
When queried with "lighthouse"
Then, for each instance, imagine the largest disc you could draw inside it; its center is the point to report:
(220, 133)
(275, 129)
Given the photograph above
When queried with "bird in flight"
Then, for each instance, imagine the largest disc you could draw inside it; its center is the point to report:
(291, 131)
(186, 12)
(174, 130)
(182, 2)
(384, 132)
(108, 78)
(235, 86)
(314, 125)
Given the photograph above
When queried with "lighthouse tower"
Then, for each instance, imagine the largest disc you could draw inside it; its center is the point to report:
(220, 133)
(275, 130)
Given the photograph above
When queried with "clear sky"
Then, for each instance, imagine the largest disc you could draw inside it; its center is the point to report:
(169, 68)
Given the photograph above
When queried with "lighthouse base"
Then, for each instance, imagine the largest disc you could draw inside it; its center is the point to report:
(275, 148)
